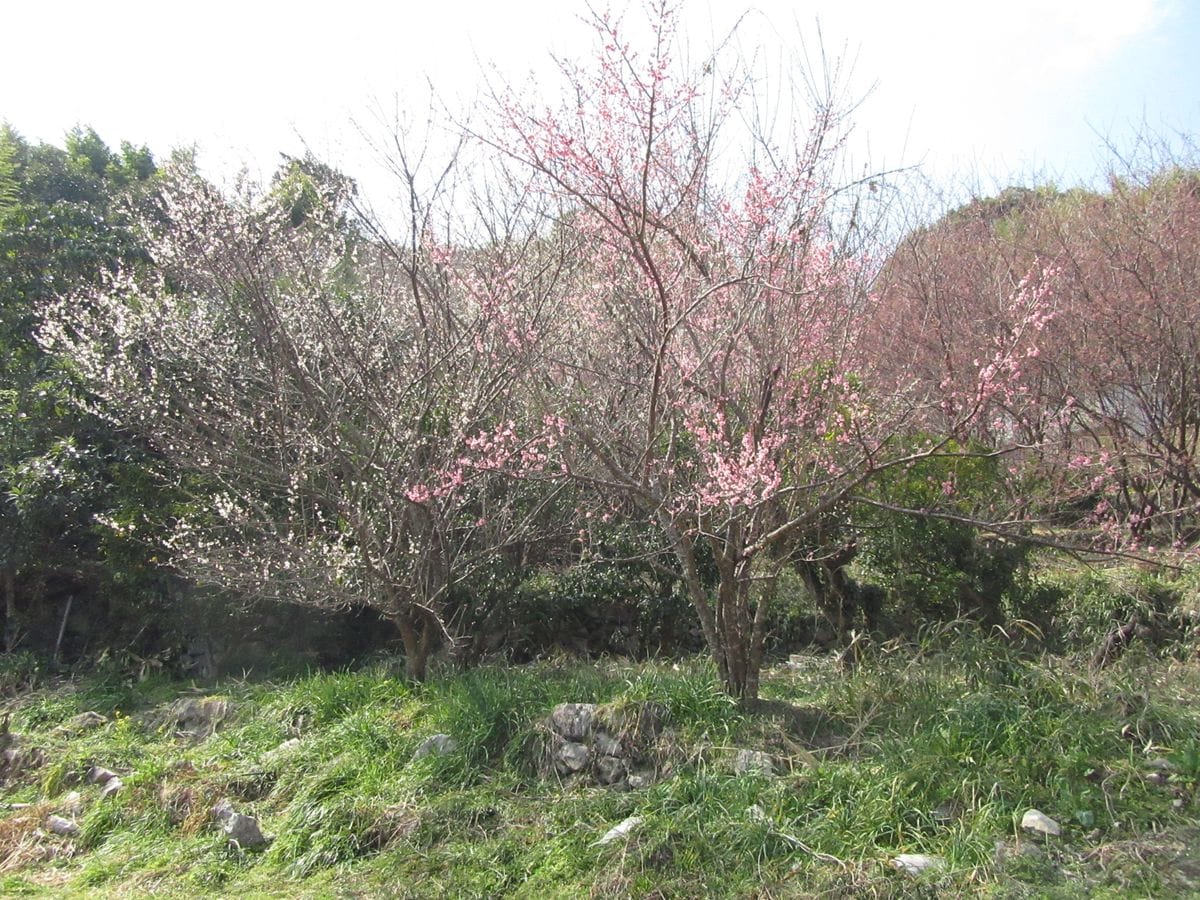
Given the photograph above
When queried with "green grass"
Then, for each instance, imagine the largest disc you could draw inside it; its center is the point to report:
(937, 748)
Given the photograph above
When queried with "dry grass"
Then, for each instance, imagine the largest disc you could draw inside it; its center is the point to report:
(24, 842)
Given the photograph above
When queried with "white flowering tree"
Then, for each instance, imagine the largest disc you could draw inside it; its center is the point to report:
(340, 404)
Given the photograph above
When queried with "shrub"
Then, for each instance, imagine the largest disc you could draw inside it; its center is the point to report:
(939, 568)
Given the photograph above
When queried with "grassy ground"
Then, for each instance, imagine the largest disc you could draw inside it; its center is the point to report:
(937, 748)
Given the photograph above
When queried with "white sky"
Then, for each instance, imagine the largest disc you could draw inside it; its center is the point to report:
(1011, 89)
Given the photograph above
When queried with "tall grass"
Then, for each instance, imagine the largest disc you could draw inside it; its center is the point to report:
(937, 747)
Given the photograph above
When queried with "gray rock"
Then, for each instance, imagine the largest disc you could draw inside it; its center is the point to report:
(61, 826)
(640, 780)
(100, 775)
(1037, 822)
(18, 755)
(572, 757)
(753, 762)
(573, 721)
(112, 786)
(244, 831)
(223, 810)
(607, 745)
(619, 831)
(280, 753)
(436, 745)
(72, 804)
(1160, 764)
(85, 721)
(610, 769)
(200, 717)
(917, 863)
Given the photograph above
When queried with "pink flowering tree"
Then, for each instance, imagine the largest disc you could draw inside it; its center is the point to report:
(339, 404)
(1103, 401)
(708, 357)
(1125, 362)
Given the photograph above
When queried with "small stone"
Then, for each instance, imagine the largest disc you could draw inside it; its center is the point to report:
(100, 775)
(436, 745)
(280, 753)
(607, 745)
(72, 803)
(244, 831)
(1160, 764)
(610, 770)
(1156, 777)
(1037, 822)
(754, 762)
(61, 826)
(619, 831)
(222, 811)
(572, 757)
(1177, 803)
(639, 781)
(85, 721)
(200, 717)
(916, 863)
(573, 721)
(945, 813)
(112, 786)
(1006, 851)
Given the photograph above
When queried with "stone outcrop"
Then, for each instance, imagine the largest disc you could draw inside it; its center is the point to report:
(615, 745)
(199, 717)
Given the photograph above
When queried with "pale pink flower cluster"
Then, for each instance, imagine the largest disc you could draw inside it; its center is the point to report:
(498, 450)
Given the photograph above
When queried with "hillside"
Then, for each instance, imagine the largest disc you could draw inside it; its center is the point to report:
(937, 748)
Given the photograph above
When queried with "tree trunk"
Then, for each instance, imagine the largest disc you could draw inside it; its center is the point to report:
(739, 662)
(728, 629)
(758, 634)
(685, 552)
(10, 610)
(415, 633)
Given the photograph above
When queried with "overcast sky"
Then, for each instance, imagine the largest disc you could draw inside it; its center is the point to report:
(1010, 89)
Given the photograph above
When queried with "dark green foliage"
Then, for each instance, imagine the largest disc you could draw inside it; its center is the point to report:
(937, 569)
(614, 600)
(62, 225)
